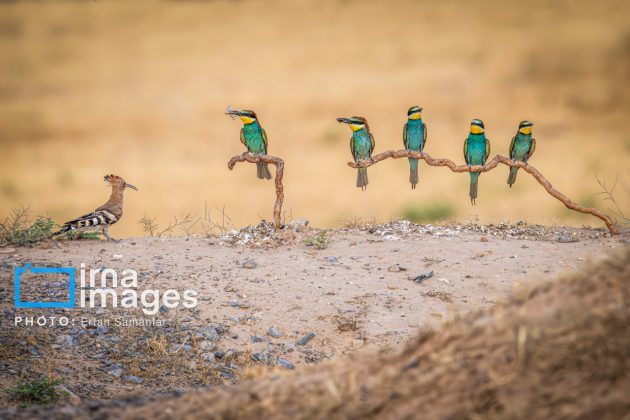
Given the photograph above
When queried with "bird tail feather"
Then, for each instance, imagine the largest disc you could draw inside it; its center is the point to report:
(474, 179)
(262, 170)
(362, 178)
(413, 172)
(512, 178)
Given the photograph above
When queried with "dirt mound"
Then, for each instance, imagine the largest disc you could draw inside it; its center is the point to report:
(561, 350)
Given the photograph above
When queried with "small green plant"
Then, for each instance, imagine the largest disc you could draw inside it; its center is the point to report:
(319, 241)
(40, 390)
(429, 213)
(20, 229)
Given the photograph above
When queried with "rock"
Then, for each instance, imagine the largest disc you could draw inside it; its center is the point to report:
(250, 264)
(116, 371)
(565, 239)
(210, 333)
(304, 340)
(484, 239)
(186, 319)
(421, 277)
(285, 364)
(67, 394)
(257, 339)
(207, 346)
(274, 332)
(117, 257)
(298, 225)
(331, 259)
(102, 329)
(132, 378)
(396, 268)
(66, 341)
(163, 309)
(208, 357)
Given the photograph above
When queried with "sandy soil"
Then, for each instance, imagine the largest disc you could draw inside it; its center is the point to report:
(355, 293)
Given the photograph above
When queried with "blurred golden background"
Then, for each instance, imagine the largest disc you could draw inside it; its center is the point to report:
(139, 89)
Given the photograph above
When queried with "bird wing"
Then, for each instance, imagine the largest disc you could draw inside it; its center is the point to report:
(487, 152)
(372, 143)
(264, 136)
(512, 147)
(466, 150)
(352, 148)
(243, 138)
(424, 140)
(405, 137)
(98, 217)
(532, 149)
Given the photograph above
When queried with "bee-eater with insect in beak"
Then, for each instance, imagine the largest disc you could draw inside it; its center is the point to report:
(521, 148)
(476, 152)
(253, 136)
(361, 145)
(414, 138)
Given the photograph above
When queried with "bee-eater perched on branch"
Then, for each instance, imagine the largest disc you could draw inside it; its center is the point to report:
(476, 152)
(521, 148)
(253, 136)
(361, 145)
(414, 138)
(104, 216)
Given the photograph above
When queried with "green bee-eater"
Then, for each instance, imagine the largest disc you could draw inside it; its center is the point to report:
(361, 145)
(476, 152)
(414, 138)
(521, 148)
(253, 136)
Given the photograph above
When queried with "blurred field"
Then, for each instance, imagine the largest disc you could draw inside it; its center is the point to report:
(139, 88)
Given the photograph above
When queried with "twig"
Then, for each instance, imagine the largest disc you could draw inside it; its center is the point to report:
(251, 158)
(397, 154)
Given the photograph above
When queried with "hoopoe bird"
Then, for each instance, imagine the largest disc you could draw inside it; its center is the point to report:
(104, 216)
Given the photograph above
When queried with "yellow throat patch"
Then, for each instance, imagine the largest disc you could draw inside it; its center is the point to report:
(247, 120)
(525, 130)
(415, 116)
(475, 129)
(356, 127)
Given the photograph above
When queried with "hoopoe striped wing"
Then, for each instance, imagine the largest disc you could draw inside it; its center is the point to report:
(99, 218)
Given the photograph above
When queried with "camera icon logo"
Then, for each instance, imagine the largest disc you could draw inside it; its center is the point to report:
(17, 277)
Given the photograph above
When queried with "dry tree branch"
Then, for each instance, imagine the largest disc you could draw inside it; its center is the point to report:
(491, 164)
(251, 158)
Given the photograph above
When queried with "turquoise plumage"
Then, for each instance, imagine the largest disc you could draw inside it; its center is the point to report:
(521, 148)
(361, 145)
(476, 152)
(253, 136)
(414, 138)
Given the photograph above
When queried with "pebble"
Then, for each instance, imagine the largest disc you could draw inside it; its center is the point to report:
(396, 268)
(285, 364)
(132, 378)
(274, 332)
(304, 340)
(250, 264)
(565, 239)
(210, 333)
(257, 339)
(115, 371)
(102, 329)
(331, 259)
(421, 277)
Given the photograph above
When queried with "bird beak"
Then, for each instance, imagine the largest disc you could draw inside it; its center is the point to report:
(344, 120)
(233, 112)
(130, 186)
